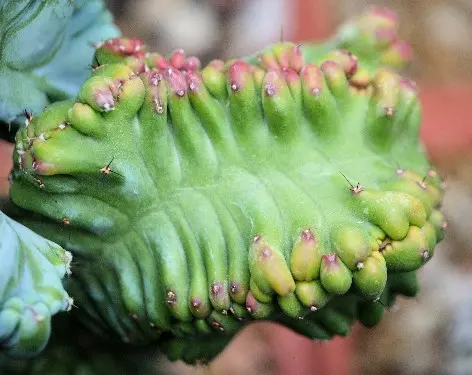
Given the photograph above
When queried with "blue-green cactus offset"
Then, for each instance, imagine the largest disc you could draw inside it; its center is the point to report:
(31, 289)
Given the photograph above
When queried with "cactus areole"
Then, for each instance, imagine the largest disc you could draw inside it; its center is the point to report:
(289, 186)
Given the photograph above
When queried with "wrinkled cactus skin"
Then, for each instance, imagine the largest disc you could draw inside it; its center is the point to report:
(31, 290)
(291, 186)
(46, 51)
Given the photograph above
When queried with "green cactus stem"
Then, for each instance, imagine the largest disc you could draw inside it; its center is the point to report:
(196, 200)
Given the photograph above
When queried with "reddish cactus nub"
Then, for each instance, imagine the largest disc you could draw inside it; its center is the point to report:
(160, 62)
(178, 59)
(193, 81)
(251, 303)
(216, 289)
(104, 99)
(238, 71)
(192, 63)
(308, 236)
(154, 78)
(218, 65)
(330, 258)
(176, 81)
(349, 62)
(128, 47)
(291, 76)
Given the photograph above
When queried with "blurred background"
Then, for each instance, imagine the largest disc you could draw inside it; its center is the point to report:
(431, 334)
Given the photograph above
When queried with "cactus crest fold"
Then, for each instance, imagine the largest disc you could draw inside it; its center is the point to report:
(286, 186)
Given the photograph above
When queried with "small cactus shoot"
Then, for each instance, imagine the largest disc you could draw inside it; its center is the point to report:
(31, 289)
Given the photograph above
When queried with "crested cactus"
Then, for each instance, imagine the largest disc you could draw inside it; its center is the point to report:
(31, 289)
(35, 73)
(289, 186)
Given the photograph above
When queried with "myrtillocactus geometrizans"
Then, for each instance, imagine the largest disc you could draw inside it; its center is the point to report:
(289, 186)
(31, 290)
